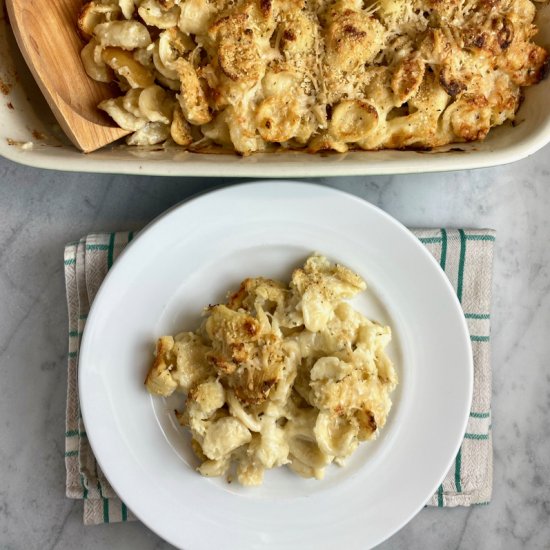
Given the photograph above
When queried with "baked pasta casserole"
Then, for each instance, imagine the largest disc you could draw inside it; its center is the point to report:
(280, 375)
(260, 75)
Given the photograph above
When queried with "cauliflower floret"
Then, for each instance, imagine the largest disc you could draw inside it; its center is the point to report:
(209, 396)
(191, 363)
(330, 367)
(231, 327)
(258, 292)
(223, 437)
(245, 353)
(322, 285)
(180, 364)
(352, 393)
(249, 472)
(159, 380)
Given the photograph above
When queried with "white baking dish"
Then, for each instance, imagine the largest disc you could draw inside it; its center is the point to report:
(29, 135)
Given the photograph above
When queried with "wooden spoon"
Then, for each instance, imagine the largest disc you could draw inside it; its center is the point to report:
(46, 32)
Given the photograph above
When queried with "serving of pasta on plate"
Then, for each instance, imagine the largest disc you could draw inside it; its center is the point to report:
(280, 375)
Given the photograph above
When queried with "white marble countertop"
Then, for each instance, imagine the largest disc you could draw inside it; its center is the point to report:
(41, 210)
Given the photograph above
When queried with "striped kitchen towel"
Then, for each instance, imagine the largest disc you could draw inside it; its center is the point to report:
(466, 256)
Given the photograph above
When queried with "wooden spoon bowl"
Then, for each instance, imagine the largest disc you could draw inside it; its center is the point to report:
(46, 32)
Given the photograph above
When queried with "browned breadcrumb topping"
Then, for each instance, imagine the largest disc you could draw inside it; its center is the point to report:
(315, 75)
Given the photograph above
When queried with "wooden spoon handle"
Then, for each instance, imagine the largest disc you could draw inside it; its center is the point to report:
(46, 34)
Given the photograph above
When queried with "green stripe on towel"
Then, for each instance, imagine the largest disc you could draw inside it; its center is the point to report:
(461, 262)
(481, 238)
(479, 437)
(111, 249)
(477, 315)
(459, 290)
(105, 510)
(84, 488)
(480, 415)
(475, 338)
(458, 466)
(430, 240)
(443, 261)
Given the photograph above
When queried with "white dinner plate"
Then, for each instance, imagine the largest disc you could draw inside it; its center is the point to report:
(190, 257)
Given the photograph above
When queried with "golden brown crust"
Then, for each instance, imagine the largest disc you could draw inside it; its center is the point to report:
(317, 75)
(159, 380)
(407, 77)
(180, 129)
(88, 18)
(192, 96)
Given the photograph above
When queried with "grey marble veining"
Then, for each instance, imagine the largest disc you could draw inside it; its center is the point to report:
(41, 210)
